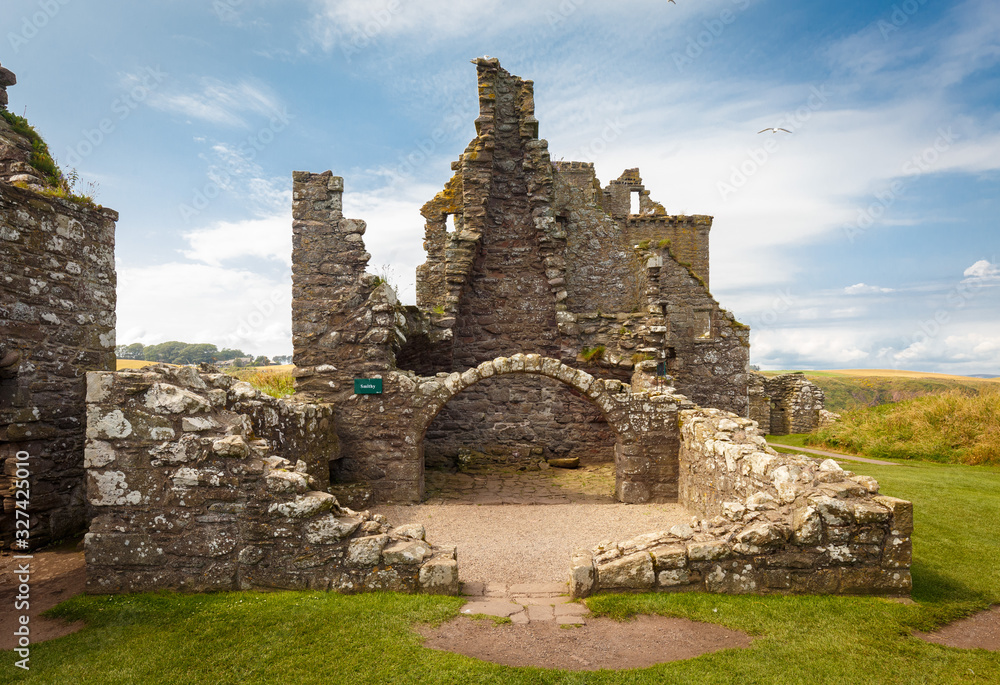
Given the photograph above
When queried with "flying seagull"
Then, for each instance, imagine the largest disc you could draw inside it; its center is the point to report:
(774, 130)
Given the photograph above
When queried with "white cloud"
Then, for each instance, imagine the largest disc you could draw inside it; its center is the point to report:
(267, 238)
(983, 270)
(395, 229)
(864, 289)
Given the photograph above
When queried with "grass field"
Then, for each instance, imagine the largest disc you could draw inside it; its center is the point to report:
(310, 637)
(950, 427)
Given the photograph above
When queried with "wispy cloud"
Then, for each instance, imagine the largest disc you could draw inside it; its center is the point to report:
(221, 103)
(865, 289)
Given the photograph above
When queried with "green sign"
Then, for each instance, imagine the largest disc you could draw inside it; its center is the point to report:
(367, 386)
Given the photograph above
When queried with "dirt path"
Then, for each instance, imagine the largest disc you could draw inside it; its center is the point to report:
(979, 631)
(833, 455)
(56, 574)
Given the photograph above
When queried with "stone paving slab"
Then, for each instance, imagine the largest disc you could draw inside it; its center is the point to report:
(535, 602)
(497, 607)
(546, 601)
(538, 589)
(538, 612)
(571, 609)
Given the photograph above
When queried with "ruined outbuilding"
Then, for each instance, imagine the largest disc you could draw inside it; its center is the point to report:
(57, 317)
(525, 256)
(784, 404)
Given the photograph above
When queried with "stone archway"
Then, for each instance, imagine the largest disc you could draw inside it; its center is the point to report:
(591, 389)
(381, 435)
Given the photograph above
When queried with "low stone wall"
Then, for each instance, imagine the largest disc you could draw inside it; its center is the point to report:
(766, 523)
(188, 494)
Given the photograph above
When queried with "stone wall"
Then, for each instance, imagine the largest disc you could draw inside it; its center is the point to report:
(765, 523)
(345, 322)
(787, 404)
(57, 313)
(514, 420)
(199, 482)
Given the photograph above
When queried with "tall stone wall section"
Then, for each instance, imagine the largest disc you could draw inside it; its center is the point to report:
(525, 254)
(345, 322)
(705, 348)
(765, 523)
(57, 314)
(199, 482)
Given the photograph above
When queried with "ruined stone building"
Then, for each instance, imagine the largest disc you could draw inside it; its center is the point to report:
(524, 255)
(785, 404)
(57, 321)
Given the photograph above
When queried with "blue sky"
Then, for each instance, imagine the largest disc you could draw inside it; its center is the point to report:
(867, 238)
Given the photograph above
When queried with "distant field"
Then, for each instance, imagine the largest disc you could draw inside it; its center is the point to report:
(138, 364)
(135, 364)
(888, 373)
(848, 389)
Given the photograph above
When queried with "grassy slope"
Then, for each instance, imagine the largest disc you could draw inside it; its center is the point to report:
(304, 637)
(950, 427)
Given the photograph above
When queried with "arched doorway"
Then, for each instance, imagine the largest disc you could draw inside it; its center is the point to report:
(583, 385)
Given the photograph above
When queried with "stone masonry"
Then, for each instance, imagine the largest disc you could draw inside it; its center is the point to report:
(765, 523)
(524, 257)
(57, 314)
(199, 482)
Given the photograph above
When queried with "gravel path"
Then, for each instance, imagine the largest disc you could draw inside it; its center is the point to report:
(529, 543)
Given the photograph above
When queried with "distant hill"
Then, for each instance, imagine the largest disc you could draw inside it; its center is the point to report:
(848, 389)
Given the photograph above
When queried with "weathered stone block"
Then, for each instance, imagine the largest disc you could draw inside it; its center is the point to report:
(366, 551)
(633, 572)
(902, 513)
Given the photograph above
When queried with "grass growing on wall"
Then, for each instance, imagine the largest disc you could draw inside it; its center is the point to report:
(42, 161)
(952, 427)
(592, 355)
(315, 637)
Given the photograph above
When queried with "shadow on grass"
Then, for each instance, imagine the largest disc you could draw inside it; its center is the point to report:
(942, 598)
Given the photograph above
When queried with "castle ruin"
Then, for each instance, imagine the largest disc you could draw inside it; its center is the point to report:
(552, 319)
(524, 256)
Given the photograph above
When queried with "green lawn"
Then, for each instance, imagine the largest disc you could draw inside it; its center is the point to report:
(306, 637)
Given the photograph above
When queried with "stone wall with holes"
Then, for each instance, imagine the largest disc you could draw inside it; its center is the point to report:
(57, 317)
(764, 523)
(199, 482)
(788, 403)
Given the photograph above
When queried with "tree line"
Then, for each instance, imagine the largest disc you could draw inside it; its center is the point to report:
(176, 352)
